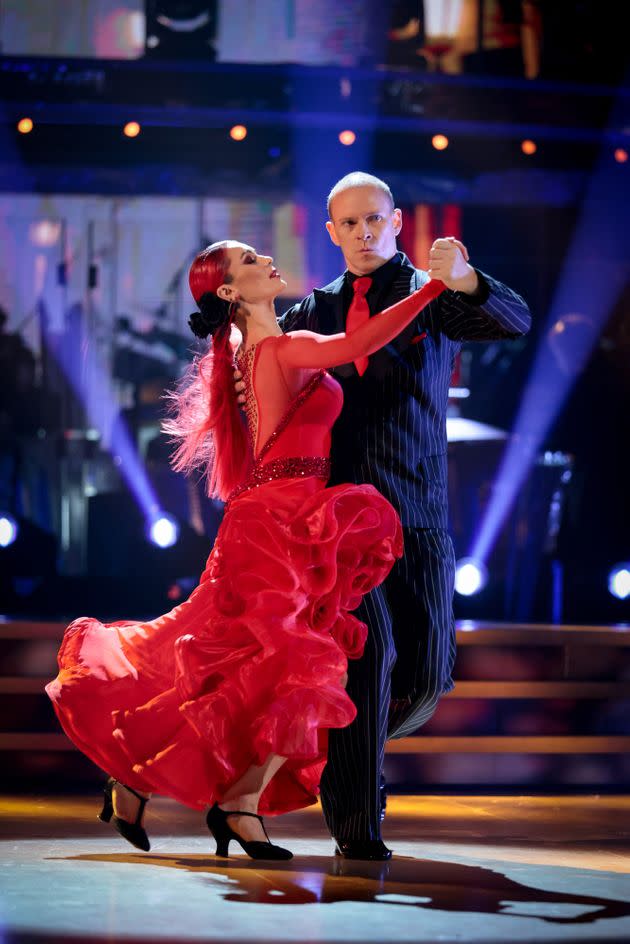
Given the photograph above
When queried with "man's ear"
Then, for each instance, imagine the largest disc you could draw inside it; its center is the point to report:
(331, 232)
(397, 220)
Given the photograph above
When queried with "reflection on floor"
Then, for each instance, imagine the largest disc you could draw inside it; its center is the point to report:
(465, 869)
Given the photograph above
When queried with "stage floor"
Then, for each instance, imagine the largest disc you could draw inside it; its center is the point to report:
(465, 868)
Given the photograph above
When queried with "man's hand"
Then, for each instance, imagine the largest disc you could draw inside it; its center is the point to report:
(448, 261)
(239, 387)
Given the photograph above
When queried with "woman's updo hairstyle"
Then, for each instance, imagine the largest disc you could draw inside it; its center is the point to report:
(214, 313)
(209, 270)
(205, 420)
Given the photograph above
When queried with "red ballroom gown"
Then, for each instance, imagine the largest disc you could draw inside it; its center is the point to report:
(252, 663)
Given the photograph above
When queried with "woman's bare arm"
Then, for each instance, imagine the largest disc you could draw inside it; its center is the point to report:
(307, 349)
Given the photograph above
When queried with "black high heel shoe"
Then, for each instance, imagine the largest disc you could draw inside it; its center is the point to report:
(223, 833)
(132, 832)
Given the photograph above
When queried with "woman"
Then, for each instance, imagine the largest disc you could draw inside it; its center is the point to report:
(227, 699)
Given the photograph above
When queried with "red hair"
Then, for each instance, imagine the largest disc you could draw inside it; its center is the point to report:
(209, 270)
(205, 420)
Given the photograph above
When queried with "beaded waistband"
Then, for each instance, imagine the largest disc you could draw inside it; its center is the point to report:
(290, 467)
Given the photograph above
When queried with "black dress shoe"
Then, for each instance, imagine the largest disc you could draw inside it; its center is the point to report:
(372, 850)
(217, 820)
(132, 832)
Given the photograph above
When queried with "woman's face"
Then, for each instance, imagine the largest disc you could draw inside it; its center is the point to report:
(254, 278)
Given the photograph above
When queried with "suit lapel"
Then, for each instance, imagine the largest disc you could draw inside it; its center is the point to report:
(329, 307)
(331, 320)
(407, 281)
(330, 317)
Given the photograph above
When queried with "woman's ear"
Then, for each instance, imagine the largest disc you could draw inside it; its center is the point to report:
(227, 293)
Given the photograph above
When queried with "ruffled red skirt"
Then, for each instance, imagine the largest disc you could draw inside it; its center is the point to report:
(251, 664)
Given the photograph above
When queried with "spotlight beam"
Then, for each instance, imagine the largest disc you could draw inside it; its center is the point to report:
(93, 387)
(594, 273)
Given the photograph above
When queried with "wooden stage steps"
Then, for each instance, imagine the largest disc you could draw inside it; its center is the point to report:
(533, 706)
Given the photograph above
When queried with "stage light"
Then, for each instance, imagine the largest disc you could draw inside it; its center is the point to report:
(181, 29)
(621, 155)
(471, 576)
(619, 581)
(44, 233)
(528, 147)
(132, 129)
(347, 137)
(25, 125)
(238, 133)
(439, 142)
(8, 530)
(163, 530)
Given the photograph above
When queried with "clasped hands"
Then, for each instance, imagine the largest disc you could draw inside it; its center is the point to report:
(448, 261)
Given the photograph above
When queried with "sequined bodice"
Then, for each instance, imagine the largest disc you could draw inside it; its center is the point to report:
(304, 421)
(245, 363)
(298, 444)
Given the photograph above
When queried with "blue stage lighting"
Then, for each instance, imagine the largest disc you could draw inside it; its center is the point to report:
(163, 530)
(8, 530)
(93, 385)
(471, 576)
(579, 311)
(619, 581)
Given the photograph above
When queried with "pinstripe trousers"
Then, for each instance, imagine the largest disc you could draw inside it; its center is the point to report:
(409, 654)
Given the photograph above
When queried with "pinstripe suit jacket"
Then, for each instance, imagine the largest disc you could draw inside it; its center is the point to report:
(392, 429)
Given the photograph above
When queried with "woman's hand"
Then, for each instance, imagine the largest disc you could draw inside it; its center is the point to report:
(239, 387)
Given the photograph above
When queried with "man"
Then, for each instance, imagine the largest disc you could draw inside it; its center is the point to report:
(392, 434)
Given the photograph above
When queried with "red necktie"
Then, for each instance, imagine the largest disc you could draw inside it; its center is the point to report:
(358, 314)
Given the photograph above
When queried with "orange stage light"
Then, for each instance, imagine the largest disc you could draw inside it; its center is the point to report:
(25, 125)
(528, 147)
(439, 142)
(238, 132)
(621, 155)
(131, 129)
(347, 137)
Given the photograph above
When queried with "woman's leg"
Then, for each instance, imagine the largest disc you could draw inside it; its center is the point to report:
(126, 804)
(245, 793)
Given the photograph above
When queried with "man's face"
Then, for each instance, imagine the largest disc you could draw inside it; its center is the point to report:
(364, 225)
